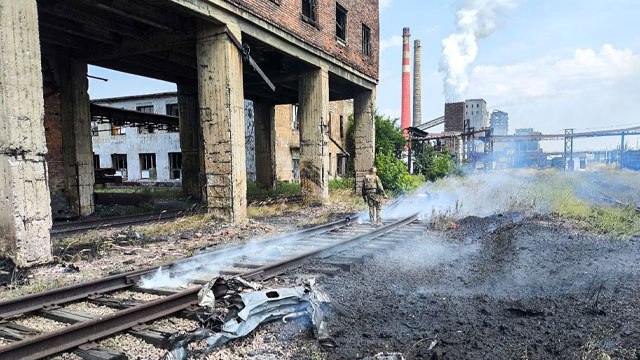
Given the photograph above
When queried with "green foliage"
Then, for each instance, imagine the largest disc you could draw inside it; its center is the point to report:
(347, 183)
(283, 189)
(394, 175)
(433, 165)
(390, 143)
(389, 138)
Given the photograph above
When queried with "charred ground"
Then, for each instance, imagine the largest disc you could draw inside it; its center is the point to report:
(494, 288)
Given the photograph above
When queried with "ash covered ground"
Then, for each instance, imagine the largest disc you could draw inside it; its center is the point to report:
(498, 287)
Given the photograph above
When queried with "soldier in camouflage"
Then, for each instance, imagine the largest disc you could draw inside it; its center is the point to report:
(373, 192)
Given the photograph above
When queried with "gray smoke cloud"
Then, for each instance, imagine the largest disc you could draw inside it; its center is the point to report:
(477, 19)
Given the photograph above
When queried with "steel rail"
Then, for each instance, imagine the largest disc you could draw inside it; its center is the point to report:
(33, 302)
(74, 335)
(86, 331)
(277, 268)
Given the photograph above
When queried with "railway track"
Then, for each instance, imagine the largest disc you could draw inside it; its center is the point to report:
(337, 244)
(74, 227)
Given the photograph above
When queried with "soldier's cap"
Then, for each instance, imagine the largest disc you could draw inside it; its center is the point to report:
(373, 169)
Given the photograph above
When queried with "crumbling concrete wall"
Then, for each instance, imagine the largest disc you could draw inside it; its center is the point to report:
(25, 214)
(313, 111)
(364, 113)
(220, 95)
(77, 149)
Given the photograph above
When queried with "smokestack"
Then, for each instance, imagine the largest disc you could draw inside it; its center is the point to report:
(417, 85)
(405, 116)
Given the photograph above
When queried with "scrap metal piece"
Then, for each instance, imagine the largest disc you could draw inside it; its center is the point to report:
(252, 309)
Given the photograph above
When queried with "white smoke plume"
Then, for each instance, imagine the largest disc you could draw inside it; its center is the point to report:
(477, 19)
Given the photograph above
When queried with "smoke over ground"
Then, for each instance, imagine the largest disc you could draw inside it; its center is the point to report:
(526, 191)
(477, 19)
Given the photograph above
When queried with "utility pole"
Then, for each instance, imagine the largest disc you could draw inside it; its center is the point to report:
(621, 161)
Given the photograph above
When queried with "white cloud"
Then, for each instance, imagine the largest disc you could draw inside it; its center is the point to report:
(384, 4)
(555, 77)
(394, 41)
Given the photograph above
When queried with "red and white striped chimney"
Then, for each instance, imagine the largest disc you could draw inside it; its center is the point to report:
(405, 115)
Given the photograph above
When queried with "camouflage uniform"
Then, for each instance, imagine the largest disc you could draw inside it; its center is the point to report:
(372, 192)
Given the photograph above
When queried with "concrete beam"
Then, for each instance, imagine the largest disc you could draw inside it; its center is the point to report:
(220, 94)
(275, 37)
(364, 112)
(264, 115)
(25, 212)
(77, 151)
(313, 114)
(190, 141)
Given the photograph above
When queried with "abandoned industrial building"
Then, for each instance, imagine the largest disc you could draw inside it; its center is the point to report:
(219, 53)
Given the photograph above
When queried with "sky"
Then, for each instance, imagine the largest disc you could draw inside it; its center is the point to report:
(550, 64)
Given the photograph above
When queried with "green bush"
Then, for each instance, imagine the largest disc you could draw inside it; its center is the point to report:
(347, 183)
(394, 175)
(434, 165)
(283, 189)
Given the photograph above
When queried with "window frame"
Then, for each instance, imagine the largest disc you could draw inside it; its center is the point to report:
(366, 45)
(345, 26)
(173, 158)
(143, 165)
(312, 18)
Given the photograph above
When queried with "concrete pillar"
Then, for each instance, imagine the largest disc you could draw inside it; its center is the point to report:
(264, 120)
(313, 114)
(191, 141)
(220, 94)
(25, 212)
(364, 113)
(77, 151)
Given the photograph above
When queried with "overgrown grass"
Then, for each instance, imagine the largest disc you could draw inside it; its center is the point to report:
(347, 183)
(283, 189)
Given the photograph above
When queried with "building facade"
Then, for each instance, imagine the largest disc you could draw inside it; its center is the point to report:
(287, 135)
(475, 112)
(499, 122)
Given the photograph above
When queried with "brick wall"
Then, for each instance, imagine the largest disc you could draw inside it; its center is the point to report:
(454, 116)
(287, 15)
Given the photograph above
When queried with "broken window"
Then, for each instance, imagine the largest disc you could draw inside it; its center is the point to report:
(146, 129)
(341, 23)
(175, 165)
(366, 40)
(119, 163)
(96, 161)
(173, 110)
(294, 118)
(342, 161)
(94, 129)
(148, 166)
(145, 109)
(310, 10)
(341, 126)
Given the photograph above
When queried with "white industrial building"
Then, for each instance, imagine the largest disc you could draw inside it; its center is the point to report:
(149, 155)
(477, 114)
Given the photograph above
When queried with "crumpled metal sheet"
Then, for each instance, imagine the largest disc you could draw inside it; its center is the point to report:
(256, 307)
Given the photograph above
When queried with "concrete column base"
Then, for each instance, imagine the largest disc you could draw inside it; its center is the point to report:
(77, 151)
(314, 120)
(25, 212)
(221, 98)
(364, 105)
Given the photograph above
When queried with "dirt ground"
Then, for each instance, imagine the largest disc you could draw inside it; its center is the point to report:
(500, 287)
